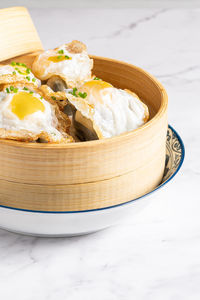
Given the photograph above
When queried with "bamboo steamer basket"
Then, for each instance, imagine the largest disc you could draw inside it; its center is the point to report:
(84, 175)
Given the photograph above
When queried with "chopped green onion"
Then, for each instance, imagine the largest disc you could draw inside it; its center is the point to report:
(82, 95)
(59, 56)
(12, 88)
(41, 97)
(28, 71)
(31, 92)
(15, 90)
(52, 97)
(74, 92)
(18, 64)
(61, 51)
(96, 78)
(33, 79)
(23, 65)
(28, 78)
(18, 70)
(67, 57)
(14, 73)
(7, 90)
(13, 63)
(25, 88)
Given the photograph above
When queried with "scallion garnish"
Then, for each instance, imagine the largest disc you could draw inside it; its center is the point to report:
(33, 79)
(28, 71)
(52, 97)
(12, 88)
(67, 57)
(31, 92)
(14, 73)
(96, 78)
(7, 90)
(82, 95)
(28, 78)
(15, 90)
(59, 57)
(13, 63)
(74, 92)
(25, 88)
(61, 51)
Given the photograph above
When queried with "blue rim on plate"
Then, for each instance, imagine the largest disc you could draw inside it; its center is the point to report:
(175, 149)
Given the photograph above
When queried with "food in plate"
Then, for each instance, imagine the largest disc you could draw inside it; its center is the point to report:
(17, 72)
(25, 115)
(67, 66)
(33, 109)
(103, 111)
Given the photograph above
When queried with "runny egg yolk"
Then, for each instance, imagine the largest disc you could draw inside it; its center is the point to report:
(24, 104)
(97, 84)
(94, 87)
(58, 58)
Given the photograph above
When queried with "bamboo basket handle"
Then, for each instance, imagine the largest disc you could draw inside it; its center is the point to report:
(17, 33)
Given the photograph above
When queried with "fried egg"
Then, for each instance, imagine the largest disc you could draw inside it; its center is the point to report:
(25, 115)
(17, 72)
(69, 62)
(103, 111)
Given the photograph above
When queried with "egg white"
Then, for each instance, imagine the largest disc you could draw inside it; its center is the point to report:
(118, 112)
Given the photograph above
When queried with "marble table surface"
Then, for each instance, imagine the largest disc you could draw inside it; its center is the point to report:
(156, 255)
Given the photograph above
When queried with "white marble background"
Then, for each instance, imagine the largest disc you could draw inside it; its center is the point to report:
(101, 4)
(156, 255)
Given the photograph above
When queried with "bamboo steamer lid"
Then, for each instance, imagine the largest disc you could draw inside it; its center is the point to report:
(17, 33)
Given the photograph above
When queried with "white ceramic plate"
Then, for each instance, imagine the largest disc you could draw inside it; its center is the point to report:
(43, 223)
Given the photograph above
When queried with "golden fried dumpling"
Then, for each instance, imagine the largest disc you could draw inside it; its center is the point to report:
(25, 115)
(66, 66)
(103, 111)
(17, 72)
